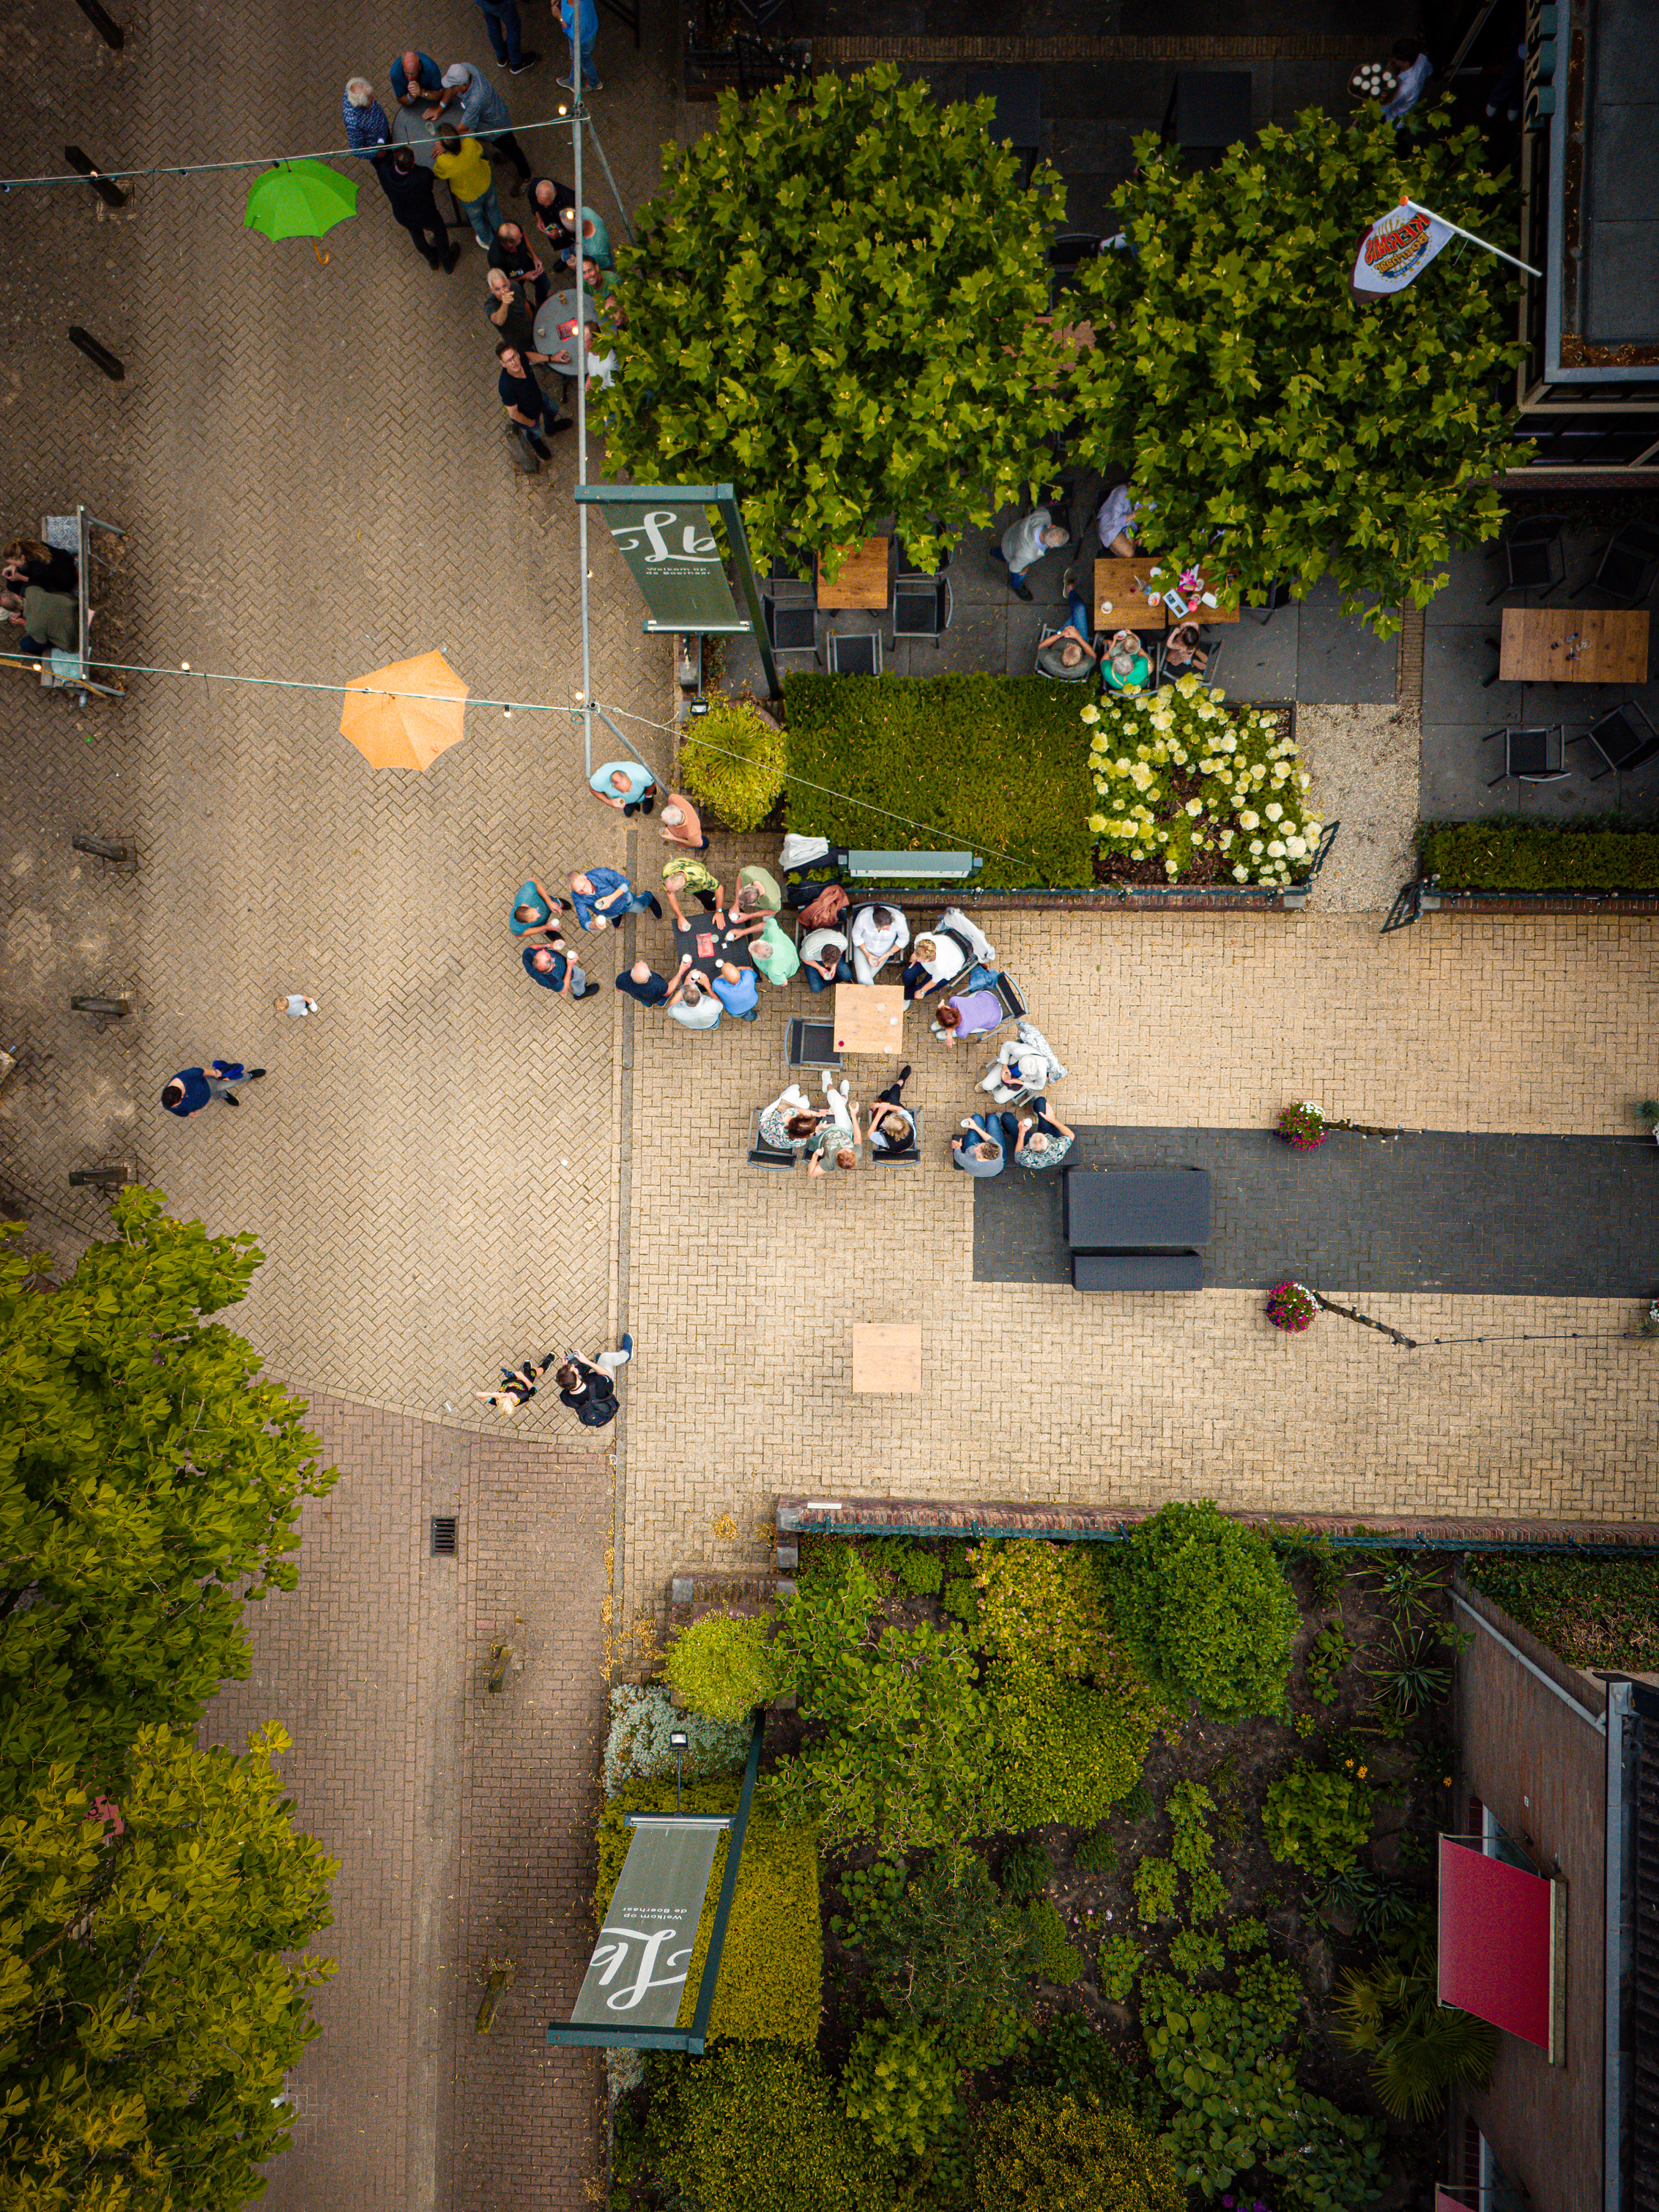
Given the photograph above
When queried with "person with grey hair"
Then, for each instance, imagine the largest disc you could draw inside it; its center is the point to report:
(367, 131)
(1023, 544)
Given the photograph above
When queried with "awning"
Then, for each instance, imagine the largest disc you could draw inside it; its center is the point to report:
(1501, 1948)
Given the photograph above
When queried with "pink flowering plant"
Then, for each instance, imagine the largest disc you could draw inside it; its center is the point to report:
(1302, 1128)
(1292, 1307)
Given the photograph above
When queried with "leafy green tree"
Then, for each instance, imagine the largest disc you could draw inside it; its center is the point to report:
(953, 1950)
(148, 2010)
(1259, 405)
(833, 303)
(1202, 1603)
(149, 1484)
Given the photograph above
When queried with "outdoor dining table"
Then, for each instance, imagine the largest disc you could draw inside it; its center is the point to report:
(1123, 588)
(1574, 645)
(862, 581)
(1135, 1209)
(869, 1017)
(724, 945)
(410, 128)
(557, 309)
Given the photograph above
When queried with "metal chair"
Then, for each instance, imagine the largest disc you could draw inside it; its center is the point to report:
(1628, 565)
(911, 1157)
(1534, 557)
(1279, 595)
(787, 580)
(811, 1044)
(763, 1155)
(907, 570)
(922, 607)
(854, 652)
(1621, 744)
(792, 625)
(1205, 674)
(1530, 755)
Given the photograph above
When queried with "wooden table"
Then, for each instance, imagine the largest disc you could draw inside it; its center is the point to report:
(887, 1357)
(862, 581)
(869, 1017)
(1126, 584)
(1568, 645)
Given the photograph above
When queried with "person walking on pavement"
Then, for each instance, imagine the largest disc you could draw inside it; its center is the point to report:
(1023, 544)
(460, 162)
(588, 34)
(472, 102)
(296, 1003)
(588, 1386)
(190, 1090)
(506, 35)
(408, 186)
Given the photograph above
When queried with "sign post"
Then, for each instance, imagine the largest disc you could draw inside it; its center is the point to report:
(663, 532)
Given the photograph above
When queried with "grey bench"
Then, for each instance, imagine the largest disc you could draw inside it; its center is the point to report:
(913, 867)
(1137, 1271)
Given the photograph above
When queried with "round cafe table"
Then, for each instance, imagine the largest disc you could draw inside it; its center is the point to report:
(565, 354)
(410, 128)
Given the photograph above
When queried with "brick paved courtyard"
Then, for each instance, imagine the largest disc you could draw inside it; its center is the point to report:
(446, 1168)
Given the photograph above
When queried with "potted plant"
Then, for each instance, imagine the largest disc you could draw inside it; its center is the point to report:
(1302, 1128)
(1648, 1115)
(1292, 1307)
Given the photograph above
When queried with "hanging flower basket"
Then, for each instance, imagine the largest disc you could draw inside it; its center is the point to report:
(1292, 1307)
(1302, 1128)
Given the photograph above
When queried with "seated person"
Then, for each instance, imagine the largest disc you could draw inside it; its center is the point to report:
(555, 970)
(838, 1137)
(690, 1002)
(45, 618)
(1125, 667)
(1042, 1142)
(773, 953)
(977, 1147)
(789, 1120)
(877, 933)
(1115, 522)
(939, 957)
(624, 785)
(738, 990)
(1183, 650)
(892, 1125)
(1067, 654)
(969, 1013)
(533, 909)
(823, 959)
(1016, 1067)
(28, 561)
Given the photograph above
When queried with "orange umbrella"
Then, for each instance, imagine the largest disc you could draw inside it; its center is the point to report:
(392, 723)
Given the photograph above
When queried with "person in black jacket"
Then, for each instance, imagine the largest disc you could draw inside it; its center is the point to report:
(588, 1386)
(409, 188)
(49, 568)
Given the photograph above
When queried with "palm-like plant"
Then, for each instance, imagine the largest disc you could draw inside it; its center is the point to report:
(1420, 2048)
(1410, 1677)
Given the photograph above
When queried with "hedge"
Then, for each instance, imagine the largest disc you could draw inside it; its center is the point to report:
(1591, 1612)
(761, 2129)
(993, 764)
(1518, 856)
(772, 1963)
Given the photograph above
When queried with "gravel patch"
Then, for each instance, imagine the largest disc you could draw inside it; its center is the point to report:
(1364, 763)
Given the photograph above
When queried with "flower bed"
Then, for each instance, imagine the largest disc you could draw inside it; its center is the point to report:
(1196, 791)
(1523, 856)
(1042, 1963)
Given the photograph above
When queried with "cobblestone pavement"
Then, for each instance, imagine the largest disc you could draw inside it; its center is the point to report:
(1031, 1392)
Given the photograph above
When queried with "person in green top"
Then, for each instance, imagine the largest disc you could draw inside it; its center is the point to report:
(1124, 667)
(775, 954)
(682, 873)
(758, 890)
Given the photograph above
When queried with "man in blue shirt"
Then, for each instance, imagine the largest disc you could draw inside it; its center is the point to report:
(557, 971)
(624, 785)
(642, 983)
(416, 77)
(188, 1092)
(737, 990)
(589, 35)
(366, 126)
(604, 896)
(472, 105)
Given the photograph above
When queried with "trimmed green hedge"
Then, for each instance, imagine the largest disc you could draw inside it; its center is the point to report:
(991, 764)
(1591, 1612)
(772, 1963)
(1518, 856)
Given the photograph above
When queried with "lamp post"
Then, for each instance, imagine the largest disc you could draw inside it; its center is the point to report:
(678, 1740)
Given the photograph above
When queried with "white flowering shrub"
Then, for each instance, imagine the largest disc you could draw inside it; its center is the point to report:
(1208, 790)
(637, 1748)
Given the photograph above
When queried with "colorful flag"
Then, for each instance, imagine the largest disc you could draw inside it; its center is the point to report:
(1396, 249)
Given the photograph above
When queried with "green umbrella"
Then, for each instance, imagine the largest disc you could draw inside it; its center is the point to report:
(300, 199)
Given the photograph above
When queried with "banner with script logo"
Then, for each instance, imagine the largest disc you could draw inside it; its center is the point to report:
(1396, 250)
(671, 552)
(636, 1976)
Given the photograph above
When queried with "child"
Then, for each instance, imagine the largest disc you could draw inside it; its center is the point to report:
(296, 1004)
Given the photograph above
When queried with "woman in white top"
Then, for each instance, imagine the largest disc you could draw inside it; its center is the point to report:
(877, 933)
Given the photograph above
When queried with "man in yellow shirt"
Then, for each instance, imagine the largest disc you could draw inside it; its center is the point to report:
(460, 162)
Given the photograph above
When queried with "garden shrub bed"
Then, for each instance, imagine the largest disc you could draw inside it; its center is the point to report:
(1026, 1949)
(1591, 1612)
(1523, 856)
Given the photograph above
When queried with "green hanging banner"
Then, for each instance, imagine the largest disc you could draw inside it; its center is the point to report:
(666, 533)
(636, 1977)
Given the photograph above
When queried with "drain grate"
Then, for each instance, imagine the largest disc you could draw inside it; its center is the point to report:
(443, 1535)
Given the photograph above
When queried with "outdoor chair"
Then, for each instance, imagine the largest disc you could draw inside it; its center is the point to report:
(854, 653)
(1279, 595)
(907, 1159)
(1621, 745)
(1206, 675)
(1209, 110)
(1530, 755)
(1137, 1271)
(787, 580)
(812, 1044)
(921, 608)
(763, 1155)
(792, 625)
(907, 570)
(1628, 565)
(1533, 556)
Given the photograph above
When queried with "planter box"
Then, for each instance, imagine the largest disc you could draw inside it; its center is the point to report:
(1423, 895)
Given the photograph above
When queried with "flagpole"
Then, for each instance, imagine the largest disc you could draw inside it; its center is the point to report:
(1418, 208)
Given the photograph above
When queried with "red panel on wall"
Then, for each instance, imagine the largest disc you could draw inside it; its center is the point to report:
(1495, 1923)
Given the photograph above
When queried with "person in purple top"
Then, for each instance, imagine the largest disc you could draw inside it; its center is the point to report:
(970, 1013)
(604, 896)
(188, 1092)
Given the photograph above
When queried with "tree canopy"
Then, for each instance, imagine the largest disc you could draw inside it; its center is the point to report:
(833, 304)
(1257, 404)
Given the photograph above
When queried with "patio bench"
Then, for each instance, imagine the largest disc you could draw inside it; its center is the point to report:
(1137, 1271)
